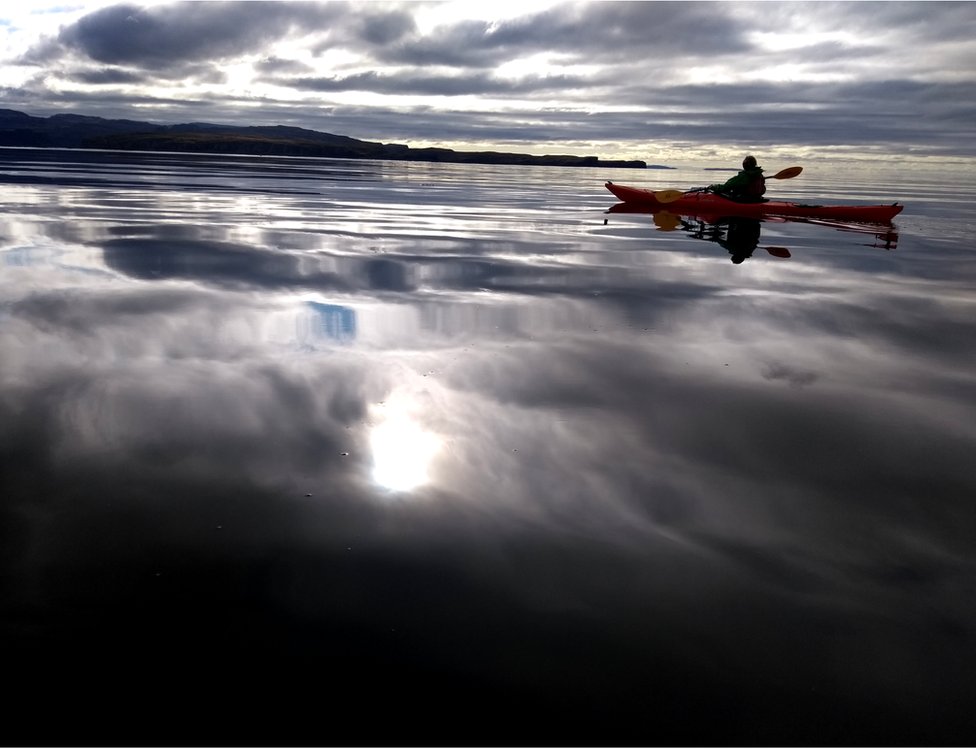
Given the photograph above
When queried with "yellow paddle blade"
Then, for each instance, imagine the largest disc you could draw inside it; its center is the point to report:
(666, 221)
(788, 173)
(667, 196)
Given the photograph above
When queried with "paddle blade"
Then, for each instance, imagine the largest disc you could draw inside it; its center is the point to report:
(788, 173)
(666, 221)
(667, 196)
(778, 251)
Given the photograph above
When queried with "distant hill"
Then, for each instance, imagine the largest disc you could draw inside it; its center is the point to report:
(79, 131)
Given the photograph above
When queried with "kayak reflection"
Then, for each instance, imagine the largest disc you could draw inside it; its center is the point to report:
(741, 235)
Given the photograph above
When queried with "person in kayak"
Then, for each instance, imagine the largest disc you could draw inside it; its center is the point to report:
(748, 186)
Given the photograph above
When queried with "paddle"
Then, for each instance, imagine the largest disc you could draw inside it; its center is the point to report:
(669, 196)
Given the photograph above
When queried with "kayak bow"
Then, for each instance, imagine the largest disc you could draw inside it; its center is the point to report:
(712, 204)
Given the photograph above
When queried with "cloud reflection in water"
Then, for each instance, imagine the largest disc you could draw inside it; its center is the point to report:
(641, 480)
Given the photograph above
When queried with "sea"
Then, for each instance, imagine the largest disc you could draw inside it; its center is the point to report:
(338, 452)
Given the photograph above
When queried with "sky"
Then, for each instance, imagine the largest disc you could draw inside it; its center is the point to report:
(654, 81)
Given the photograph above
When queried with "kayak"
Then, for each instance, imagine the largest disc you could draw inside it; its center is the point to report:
(697, 202)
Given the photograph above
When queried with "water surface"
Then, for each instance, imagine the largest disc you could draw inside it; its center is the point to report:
(302, 451)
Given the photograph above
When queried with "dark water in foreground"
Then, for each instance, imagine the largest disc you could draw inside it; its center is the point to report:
(335, 452)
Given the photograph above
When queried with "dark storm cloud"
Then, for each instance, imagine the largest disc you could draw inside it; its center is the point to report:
(165, 36)
(383, 27)
(107, 76)
(597, 32)
(114, 76)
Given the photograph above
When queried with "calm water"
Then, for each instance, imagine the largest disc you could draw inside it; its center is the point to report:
(341, 452)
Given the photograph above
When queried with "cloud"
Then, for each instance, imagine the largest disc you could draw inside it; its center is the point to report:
(405, 84)
(918, 22)
(172, 35)
(278, 65)
(596, 32)
(201, 73)
(165, 36)
(106, 76)
(383, 27)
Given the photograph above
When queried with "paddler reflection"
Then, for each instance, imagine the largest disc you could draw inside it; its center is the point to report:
(741, 235)
(738, 235)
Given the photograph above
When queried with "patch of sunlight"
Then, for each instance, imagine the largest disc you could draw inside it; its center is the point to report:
(402, 451)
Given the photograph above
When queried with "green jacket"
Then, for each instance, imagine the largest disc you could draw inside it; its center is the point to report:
(747, 184)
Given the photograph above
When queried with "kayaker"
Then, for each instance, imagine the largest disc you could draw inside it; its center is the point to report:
(748, 186)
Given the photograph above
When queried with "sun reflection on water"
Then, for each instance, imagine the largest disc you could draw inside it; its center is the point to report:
(402, 449)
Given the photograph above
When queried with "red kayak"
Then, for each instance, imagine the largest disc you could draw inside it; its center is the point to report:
(706, 203)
